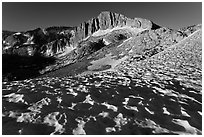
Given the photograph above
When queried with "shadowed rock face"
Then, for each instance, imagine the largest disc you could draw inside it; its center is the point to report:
(42, 40)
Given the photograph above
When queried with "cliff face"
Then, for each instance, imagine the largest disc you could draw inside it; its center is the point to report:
(109, 20)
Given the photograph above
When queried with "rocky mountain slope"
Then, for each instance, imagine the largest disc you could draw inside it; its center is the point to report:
(158, 95)
(110, 75)
(60, 46)
(120, 45)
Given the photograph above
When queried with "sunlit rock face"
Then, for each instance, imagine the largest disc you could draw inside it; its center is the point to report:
(109, 20)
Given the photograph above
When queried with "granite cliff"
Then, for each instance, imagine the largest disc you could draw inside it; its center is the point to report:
(110, 20)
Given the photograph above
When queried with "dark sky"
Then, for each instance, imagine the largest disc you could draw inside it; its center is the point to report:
(22, 16)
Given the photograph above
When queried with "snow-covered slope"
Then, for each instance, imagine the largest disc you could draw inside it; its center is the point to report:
(160, 94)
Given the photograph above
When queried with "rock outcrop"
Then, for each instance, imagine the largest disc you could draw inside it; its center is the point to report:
(41, 40)
(109, 20)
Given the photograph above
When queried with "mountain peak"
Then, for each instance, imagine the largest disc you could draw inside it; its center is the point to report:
(109, 13)
(105, 12)
(108, 20)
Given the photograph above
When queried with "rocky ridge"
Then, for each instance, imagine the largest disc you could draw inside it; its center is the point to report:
(61, 43)
(109, 20)
(62, 46)
(120, 45)
(105, 20)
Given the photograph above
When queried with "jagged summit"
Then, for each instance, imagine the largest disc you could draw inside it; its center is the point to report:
(108, 20)
(119, 19)
(127, 21)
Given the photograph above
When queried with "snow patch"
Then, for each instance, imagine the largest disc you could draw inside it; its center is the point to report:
(72, 107)
(110, 129)
(88, 100)
(59, 99)
(36, 107)
(114, 108)
(120, 121)
(166, 111)
(184, 113)
(106, 42)
(71, 91)
(126, 101)
(109, 30)
(104, 114)
(186, 125)
(151, 112)
(80, 129)
(200, 113)
(131, 108)
(18, 33)
(51, 120)
(15, 98)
